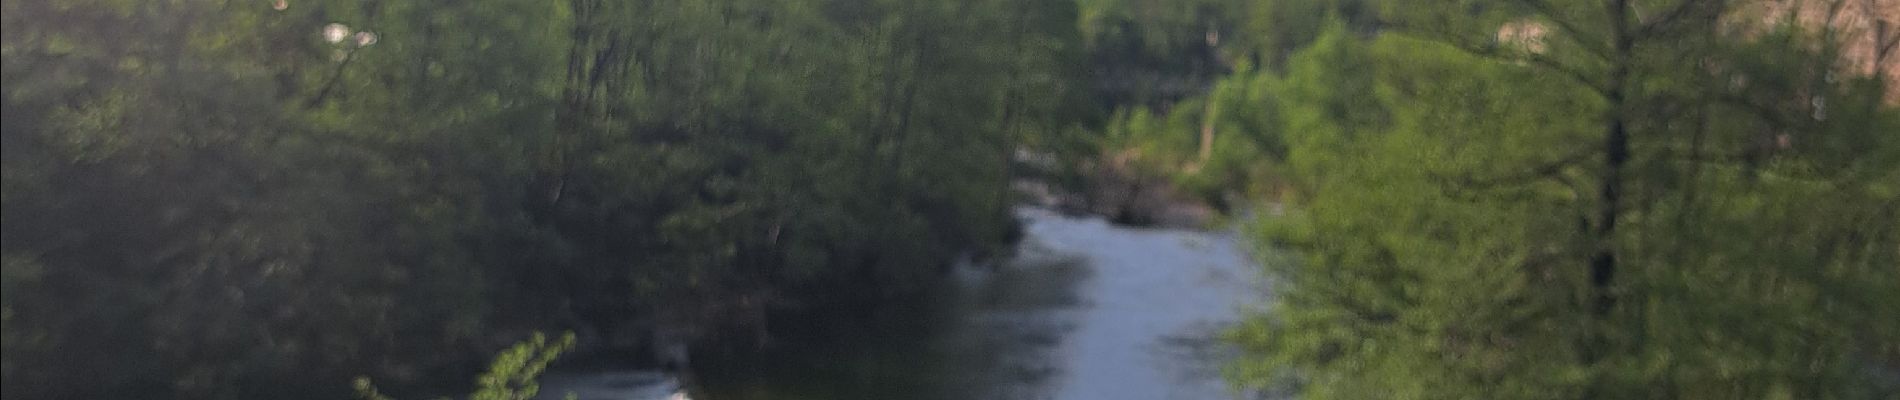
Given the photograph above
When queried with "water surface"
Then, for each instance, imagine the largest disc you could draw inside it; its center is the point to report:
(1085, 310)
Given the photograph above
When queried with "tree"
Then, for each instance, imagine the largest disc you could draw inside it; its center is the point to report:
(512, 376)
(1607, 200)
(238, 199)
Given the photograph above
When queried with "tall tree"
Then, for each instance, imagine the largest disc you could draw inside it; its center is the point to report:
(1615, 199)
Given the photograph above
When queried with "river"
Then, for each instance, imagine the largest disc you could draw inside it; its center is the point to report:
(1085, 310)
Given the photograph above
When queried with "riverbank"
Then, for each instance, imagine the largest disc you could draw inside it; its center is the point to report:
(1123, 201)
(1083, 309)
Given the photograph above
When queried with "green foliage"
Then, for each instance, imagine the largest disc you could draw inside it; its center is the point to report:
(1248, 117)
(1404, 285)
(212, 199)
(1456, 196)
(510, 377)
(217, 199)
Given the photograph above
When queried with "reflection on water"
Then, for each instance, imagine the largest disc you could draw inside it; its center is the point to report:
(609, 385)
(1084, 310)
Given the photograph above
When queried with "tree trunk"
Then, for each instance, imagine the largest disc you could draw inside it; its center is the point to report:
(1207, 130)
(1615, 154)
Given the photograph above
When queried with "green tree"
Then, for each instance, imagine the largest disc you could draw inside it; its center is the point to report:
(259, 199)
(1641, 201)
(511, 376)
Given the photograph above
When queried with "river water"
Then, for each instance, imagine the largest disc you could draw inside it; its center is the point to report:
(1085, 310)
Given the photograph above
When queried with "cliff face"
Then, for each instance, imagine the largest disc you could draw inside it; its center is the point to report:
(1869, 31)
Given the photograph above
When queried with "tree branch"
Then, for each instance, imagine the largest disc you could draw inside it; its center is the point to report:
(336, 75)
(1884, 43)
(1541, 171)
(1681, 10)
(1498, 53)
(1770, 114)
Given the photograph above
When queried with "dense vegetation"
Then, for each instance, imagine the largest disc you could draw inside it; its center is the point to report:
(1539, 199)
(1487, 198)
(264, 199)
